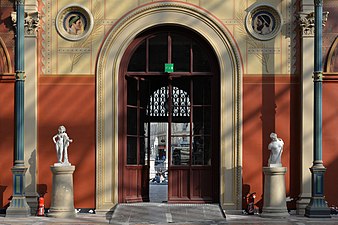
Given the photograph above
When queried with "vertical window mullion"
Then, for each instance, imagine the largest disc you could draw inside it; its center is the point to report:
(169, 121)
(147, 55)
(191, 59)
(138, 122)
(169, 48)
(191, 119)
(148, 127)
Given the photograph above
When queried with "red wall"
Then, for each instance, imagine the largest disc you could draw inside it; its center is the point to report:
(330, 141)
(330, 108)
(270, 104)
(68, 101)
(6, 140)
(6, 108)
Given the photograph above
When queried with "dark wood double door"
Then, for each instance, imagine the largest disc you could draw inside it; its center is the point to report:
(185, 102)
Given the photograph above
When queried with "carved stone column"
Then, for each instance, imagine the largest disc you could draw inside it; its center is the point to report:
(31, 24)
(307, 25)
(31, 27)
(318, 208)
(306, 20)
(18, 205)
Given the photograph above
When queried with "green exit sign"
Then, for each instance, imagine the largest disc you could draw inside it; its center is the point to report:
(168, 67)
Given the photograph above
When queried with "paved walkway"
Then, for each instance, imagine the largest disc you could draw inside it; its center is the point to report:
(158, 193)
(177, 219)
(158, 212)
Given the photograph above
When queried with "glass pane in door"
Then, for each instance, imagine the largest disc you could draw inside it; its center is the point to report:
(138, 60)
(131, 150)
(202, 91)
(180, 53)
(158, 52)
(132, 121)
(131, 91)
(143, 151)
(201, 120)
(180, 150)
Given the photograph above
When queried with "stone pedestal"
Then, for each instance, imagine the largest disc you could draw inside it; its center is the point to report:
(18, 206)
(274, 192)
(62, 205)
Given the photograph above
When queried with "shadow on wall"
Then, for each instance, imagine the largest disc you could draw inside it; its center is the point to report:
(42, 189)
(331, 180)
(245, 198)
(3, 207)
(245, 194)
(31, 170)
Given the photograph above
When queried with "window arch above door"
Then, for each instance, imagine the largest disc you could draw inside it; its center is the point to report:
(171, 45)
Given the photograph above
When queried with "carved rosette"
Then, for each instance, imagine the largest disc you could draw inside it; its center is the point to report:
(307, 23)
(31, 24)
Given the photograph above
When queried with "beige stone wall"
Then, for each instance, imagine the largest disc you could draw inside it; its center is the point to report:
(63, 57)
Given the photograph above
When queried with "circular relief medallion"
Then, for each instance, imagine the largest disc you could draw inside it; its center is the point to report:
(263, 22)
(74, 22)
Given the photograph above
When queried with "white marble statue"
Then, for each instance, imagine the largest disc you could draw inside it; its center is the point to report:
(62, 141)
(276, 149)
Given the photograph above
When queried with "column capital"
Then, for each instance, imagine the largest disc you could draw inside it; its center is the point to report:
(318, 2)
(20, 75)
(318, 76)
(20, 2)
(31, 22)
(307, 23)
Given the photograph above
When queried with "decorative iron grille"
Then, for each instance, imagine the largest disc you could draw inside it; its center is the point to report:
(159, 103)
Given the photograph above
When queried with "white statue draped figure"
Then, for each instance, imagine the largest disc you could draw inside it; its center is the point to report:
(62, 141)
(276, 149)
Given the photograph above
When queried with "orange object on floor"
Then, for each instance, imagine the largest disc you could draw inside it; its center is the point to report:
(41, 209)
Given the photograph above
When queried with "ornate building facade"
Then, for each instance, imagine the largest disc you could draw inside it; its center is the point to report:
(231, 72)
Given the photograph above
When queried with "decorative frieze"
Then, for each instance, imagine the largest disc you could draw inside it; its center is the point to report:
(31, 22)
(74, 50)
(264, 50)
(307, 23)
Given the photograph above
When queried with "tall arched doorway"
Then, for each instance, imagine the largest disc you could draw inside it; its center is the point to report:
(108, 70)
(169, 117)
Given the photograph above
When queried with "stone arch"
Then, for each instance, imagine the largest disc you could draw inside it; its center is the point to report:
(107, 70)
(5, 60)
(332, 59)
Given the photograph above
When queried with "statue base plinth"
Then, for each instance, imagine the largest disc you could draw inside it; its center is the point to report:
(62, 164)
(274, 192)
(62, 204)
